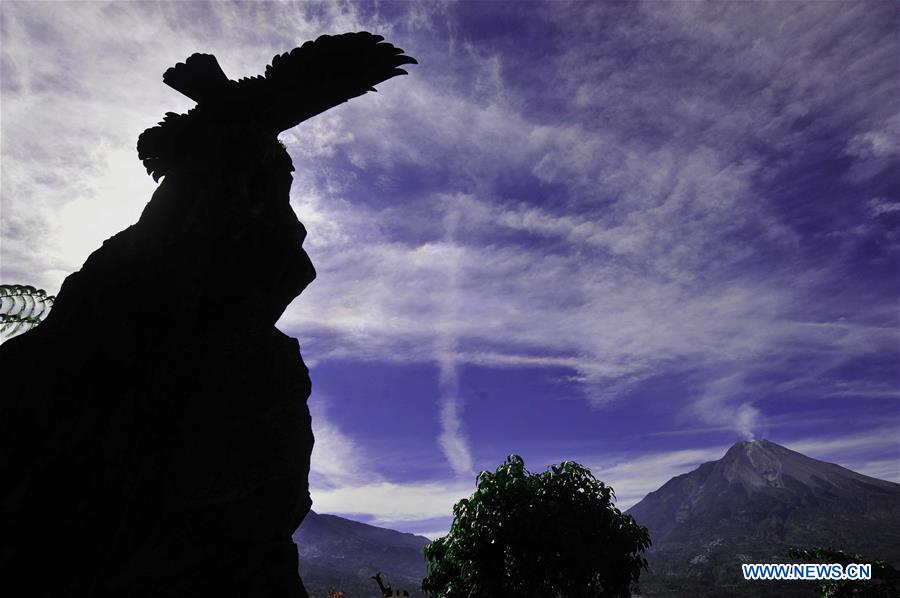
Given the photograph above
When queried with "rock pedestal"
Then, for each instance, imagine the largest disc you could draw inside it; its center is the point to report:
(155, 434)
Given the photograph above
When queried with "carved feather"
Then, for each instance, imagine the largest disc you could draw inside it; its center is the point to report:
(199, 77)
(297, 85)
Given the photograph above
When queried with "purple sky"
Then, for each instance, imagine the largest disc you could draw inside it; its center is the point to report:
(623, 234)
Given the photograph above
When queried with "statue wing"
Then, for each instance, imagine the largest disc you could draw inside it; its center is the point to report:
(297, 85)
(199, 77)
(319, 75)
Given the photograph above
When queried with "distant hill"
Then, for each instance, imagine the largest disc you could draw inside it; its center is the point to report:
(345, 554)
(751, 506)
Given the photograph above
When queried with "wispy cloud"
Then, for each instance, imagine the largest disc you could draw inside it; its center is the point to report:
(853, 446)
(881, 206)
(337, 459)
(394, 504)
(634, 477)
(452, 439)
(345, 479)
(885, 469)
(77, 93)
(652, 239)
(694, 191)
(659, 243)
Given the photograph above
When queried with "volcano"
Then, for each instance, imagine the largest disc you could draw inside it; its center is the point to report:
(751, 506)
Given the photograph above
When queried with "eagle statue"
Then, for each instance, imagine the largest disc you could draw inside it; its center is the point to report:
(298, 85)
(154, 429)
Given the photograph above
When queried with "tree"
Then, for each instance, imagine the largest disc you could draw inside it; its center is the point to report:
(544, 535)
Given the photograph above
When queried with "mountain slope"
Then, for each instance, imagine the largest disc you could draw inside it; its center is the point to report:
(345, 554)
(756, 502)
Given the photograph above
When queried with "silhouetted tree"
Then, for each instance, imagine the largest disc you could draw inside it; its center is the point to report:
(551, 534)
(385, 589)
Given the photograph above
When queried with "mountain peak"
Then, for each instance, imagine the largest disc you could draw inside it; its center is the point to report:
(747, 445)
(755, 464)
(758, 500)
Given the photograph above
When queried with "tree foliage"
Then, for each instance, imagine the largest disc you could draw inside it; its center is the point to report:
(544, 535)
(885, 580)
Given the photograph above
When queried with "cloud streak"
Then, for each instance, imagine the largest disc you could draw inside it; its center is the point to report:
(691, 195)
(452, 439)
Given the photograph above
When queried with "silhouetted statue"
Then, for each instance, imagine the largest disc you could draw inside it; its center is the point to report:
(296, 86)
(154, 433)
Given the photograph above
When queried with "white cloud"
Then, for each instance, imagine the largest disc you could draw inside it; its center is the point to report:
(347, 479)
(851, 446)
(650, 233)
(337, 459)
(884, 469)
(388, 503)
(873, 144)
(434, 534)
(452, 439)
(625, 258)
(77, 93)
(880, 206)
(606, 324)
(649, 267)
(634, 477)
